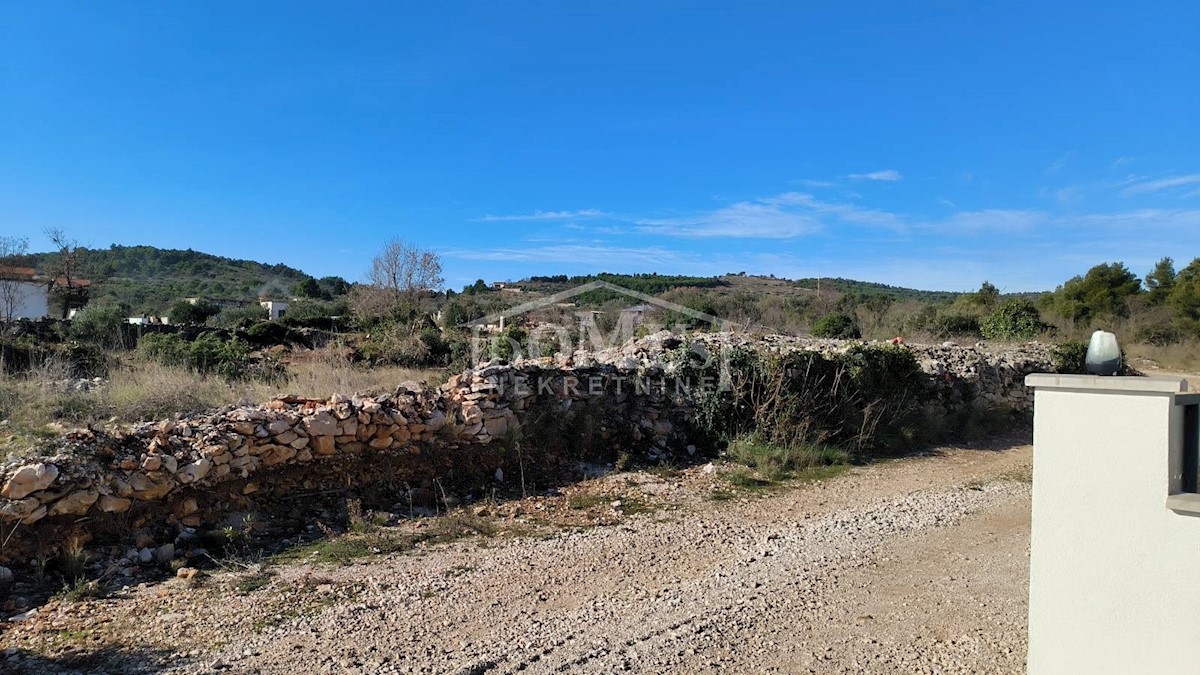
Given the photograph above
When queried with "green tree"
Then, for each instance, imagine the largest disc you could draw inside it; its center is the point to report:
(1160, 281)
(185, 312)
(332, 287)
(1101, 293)
(987, 295)
(1185, 298)
(306, 288)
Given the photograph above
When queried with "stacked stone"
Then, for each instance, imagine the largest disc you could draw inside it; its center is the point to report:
(106, 473)
(152, 461)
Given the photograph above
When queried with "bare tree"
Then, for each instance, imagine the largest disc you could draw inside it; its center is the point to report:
(399, 276)
(64, 286)
(10, 284)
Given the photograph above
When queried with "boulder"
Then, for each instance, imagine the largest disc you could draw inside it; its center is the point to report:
(29, 479)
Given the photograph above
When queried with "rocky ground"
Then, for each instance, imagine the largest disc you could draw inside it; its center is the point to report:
(914, 565)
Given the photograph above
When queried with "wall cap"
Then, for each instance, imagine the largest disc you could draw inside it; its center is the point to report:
(1115, 384)
(1184, 502)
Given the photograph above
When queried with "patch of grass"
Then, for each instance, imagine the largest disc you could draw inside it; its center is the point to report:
(346, 548)
(254, 582)
(720, 495)
(779, 462)
(583, 502)
(747, 479)
(632, 506)
(84, 590)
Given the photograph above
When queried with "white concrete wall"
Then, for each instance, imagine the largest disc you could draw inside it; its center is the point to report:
(32, 301)
(275, 309)
(1114, 573)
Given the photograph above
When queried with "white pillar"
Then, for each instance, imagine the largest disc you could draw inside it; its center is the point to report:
(1114, 578)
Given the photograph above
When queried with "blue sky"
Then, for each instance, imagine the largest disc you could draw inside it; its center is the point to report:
(931, 145)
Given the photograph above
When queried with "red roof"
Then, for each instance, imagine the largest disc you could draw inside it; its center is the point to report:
(20, 272)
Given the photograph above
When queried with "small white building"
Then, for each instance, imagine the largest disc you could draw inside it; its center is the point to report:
(276, 309)
(22, 294)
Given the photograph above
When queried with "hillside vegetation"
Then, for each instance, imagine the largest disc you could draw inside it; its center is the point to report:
(145, 279)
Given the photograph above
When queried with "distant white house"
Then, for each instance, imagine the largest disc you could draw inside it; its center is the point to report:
(276, 309)
(26, 294)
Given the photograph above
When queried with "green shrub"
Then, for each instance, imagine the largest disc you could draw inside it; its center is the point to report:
(1070, 356)
(954, 325)
(1014, 319)
(100, 324)
(836, 325)
(240, 317)
(187, 313)
(268, 333)
(866, 399)
(209, 354)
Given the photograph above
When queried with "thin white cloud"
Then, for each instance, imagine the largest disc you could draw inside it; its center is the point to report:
(889, 175)
(650, 257)
(546, 215)
(751, 220)
(1058, 164)
(1146, 187)
(808, 182)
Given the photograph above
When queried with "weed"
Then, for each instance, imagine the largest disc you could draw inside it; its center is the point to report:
(583, 502)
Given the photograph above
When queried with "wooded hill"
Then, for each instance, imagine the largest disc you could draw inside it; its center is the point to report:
(149, 279)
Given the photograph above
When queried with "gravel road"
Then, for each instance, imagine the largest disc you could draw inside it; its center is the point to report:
(916, 565)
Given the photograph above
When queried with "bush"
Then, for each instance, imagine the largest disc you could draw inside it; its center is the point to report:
(1014, 319)
(954, 325)
(1070, 356)
(209, 354)
(100, 324)
(185, 312)
(866, 399)
(240, 317)
(836, 325)
(268, 333)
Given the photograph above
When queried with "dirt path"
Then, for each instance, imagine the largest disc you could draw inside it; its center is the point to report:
(918, 565)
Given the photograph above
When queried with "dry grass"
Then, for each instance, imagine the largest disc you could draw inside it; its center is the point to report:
(1183, 357)
(34, 404)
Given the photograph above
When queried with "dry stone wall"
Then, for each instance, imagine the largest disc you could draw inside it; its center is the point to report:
(189, 472)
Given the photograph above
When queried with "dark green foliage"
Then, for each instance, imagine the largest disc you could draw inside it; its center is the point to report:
(148, 279)
(1185, 299)
(324, 314)
(867, 399)
(209, 354)
(508, 344)
(333, 287)
(99, 324)
(1014, 319)
(186, 313)
(1160, 281)
(987, 296)
(306, 288)
(836, 325)
(867, 287)
(480, 286)
(1102, 293)
(1070, 356)
(240, 317)
(267, 333)
(947, 324)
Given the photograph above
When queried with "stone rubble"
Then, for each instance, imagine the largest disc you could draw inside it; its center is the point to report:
(102, 473)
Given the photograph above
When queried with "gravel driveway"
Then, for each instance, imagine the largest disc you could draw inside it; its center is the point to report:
(916, 565)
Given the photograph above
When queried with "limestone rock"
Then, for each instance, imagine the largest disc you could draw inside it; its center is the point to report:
(75, 504)
(29, 479)
(111, 504)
